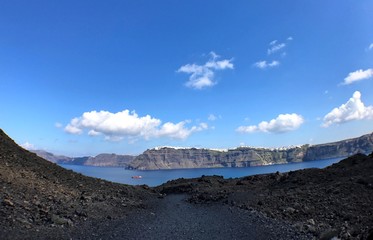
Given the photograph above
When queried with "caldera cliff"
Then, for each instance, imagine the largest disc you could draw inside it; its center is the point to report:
(173, 158)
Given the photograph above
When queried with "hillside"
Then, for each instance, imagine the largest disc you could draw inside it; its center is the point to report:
(101, 160)
(40, 200)
(332, 202)
(37, 194)
(53, 158)
(169, 158)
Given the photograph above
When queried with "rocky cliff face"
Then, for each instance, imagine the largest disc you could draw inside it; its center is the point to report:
(105, 160)
(171, 158)
(101, 160)
(349, 147)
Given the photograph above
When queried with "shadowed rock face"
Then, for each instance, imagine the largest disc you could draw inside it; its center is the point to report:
(169, 158)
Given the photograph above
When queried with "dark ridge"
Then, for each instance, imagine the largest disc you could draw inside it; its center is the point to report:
(37, 194)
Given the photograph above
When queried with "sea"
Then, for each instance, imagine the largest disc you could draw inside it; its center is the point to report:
(154, 178)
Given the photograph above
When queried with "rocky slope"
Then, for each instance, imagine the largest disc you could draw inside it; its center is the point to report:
(332, 202)
(37, 195)
(169, 158)
(101, 160)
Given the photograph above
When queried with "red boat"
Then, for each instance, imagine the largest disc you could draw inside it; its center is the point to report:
(137, 177)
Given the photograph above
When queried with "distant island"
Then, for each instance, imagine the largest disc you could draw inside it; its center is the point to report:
(176, 158)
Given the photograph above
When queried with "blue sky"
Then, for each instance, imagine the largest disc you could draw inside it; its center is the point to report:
(82, 78)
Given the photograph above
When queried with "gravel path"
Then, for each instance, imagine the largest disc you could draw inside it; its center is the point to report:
(174, 218)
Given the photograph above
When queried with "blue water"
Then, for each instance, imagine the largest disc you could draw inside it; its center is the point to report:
(157, 177)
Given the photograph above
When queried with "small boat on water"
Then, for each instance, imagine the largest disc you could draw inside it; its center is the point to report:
(137, 177)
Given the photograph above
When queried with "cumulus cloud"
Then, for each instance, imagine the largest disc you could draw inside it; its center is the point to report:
(283, 123)
(202, 76)
(28, 146)
(126, 124)
(74, 127)
(265, 64)
(179, 130)
(358, 76)
(275, 47)
(353, 109)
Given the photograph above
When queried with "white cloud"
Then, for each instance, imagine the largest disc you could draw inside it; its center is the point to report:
(28, 146)
(93, 133)
(370, 46)
(275, 47)
(58, 125)
(202, 76)
(73, 128)
(283, 123)
(212, 117)
(178, 130)
(126, 124)
(358, 76)
(117, 139)
(265, 64)
(273, 42)
(353, 109)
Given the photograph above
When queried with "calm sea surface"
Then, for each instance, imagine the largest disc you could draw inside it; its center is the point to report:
(157, 177)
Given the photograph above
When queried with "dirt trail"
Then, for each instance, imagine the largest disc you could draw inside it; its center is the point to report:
(174, 218)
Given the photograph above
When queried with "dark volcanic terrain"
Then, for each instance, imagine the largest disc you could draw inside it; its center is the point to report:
(40, 200)
(37, 195)
(335, 201)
